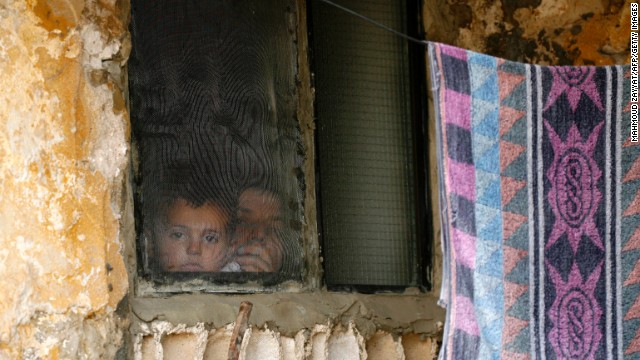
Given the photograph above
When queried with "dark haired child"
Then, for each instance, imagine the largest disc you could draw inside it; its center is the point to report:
(195, 238)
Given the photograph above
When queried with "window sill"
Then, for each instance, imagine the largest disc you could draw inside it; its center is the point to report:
(289, 313)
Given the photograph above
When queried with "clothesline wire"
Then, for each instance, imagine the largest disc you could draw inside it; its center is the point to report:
(380, 25)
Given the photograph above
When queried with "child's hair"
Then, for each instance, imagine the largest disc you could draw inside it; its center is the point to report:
(159, 210)
(161, 197)
(181, 181)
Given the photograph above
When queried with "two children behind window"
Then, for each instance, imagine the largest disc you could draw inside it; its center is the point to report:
(207, 235)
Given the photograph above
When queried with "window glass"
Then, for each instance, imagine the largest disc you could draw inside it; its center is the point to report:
(212, 98)
(367, 157)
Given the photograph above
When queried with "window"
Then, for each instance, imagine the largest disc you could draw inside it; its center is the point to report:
(369, 105)
(298, 300)
(213, 104)
(223, 179)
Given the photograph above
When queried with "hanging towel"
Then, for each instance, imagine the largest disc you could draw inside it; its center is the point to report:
(540, 204)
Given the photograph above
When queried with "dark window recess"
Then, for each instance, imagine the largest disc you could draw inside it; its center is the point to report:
(370, 119)
(213, 104)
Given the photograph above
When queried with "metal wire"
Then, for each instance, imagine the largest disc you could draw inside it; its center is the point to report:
(371, 21)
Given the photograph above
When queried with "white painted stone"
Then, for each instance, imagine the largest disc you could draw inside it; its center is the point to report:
(288, 348)
(263, 345)
(346, 346)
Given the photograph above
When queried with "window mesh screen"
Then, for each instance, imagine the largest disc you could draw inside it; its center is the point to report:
(213, 110)
(365, 145)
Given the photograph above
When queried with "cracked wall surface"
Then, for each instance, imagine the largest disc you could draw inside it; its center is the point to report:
(63, 151)
(552, 32)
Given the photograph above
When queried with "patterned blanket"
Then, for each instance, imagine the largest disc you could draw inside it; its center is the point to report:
(540, 196)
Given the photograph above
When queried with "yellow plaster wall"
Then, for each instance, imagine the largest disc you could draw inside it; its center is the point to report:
(63, 152)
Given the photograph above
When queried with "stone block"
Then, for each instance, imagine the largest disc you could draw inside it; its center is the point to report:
(218, 344)
(179, 346)
(148, 348)
(263, 345)
(382, 346)
(417, 348)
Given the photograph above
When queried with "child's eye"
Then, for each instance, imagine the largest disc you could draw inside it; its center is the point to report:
(211, 238)
(178, 235)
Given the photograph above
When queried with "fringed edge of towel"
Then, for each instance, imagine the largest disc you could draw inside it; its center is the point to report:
(445, 289)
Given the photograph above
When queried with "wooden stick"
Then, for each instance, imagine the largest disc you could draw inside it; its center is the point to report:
(238, 331)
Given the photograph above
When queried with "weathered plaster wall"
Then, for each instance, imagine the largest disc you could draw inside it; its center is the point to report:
(63, 153)
(558, 32)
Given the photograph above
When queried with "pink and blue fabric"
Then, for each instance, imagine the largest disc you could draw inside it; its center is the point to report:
(540, 196)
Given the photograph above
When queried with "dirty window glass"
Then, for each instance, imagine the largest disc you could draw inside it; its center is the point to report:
(369, 127)
(212, 98)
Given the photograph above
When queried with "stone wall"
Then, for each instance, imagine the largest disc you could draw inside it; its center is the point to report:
(319, 343)
(64, 142)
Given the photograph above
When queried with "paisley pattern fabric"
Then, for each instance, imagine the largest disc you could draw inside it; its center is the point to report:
(540, 196)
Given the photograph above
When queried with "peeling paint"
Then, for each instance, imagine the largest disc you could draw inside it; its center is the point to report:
(161, 340)
(59, 220)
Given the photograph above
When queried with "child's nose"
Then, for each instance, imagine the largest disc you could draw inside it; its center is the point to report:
(257, 232)
(194, 247)
(263, 230)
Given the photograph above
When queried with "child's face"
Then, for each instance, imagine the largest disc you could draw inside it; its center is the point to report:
(257, 241)
(258, 215)
(194, 239)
